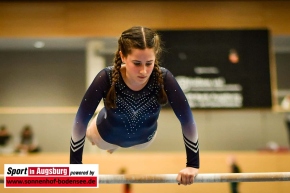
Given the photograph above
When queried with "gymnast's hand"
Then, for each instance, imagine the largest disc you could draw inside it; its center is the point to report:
(186, 176)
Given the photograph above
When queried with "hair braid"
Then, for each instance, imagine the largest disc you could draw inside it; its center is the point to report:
(162, 96)
(111, 96)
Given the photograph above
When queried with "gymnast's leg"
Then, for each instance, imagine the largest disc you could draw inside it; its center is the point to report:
(95, 138)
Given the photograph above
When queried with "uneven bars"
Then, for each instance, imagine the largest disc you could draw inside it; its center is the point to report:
(200, 178)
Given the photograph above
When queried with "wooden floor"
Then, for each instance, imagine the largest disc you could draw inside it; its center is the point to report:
(165, 163)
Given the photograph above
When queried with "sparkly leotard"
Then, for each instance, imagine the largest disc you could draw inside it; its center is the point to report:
(134, 121)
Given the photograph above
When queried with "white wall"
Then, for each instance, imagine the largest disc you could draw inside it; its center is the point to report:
(218, 130)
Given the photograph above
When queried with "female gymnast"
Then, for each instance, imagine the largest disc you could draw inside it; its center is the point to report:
(133, 90)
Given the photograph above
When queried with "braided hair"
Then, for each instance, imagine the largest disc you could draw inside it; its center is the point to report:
(137, 37)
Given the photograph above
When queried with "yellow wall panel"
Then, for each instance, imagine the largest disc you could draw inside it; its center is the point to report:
(110, 18)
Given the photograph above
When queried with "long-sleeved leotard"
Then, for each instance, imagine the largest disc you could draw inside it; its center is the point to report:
(134, 121)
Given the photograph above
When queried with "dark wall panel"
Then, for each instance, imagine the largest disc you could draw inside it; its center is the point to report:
(220, 68)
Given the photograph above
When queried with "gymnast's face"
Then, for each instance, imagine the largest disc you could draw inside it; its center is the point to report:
(139, 66)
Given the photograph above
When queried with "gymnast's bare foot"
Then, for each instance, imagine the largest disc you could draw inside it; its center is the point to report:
(110, 151)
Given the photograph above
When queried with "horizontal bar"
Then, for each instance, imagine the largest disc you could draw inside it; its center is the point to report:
(200, 178)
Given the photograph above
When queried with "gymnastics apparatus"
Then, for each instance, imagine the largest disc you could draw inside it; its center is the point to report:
(200, 178)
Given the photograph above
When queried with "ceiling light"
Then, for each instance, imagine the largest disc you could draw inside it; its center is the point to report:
(39, 44)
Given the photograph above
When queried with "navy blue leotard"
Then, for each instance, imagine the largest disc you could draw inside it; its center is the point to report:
(134, 121)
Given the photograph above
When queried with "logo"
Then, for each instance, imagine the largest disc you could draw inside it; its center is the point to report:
(51, 176)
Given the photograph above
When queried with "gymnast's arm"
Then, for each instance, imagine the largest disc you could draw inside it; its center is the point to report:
(86, 110)
(181, 108)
